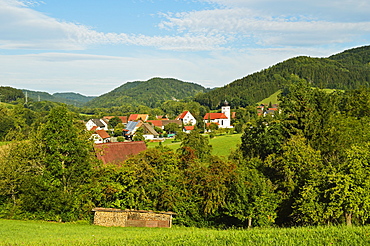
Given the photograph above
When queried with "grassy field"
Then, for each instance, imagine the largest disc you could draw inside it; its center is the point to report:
(48, 233)
(222, 145)
(271, 99)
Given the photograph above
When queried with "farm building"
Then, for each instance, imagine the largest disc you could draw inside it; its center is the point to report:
(131, 218)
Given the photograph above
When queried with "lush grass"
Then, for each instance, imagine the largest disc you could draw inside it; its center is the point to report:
(47, 233)
(168, 142)
(273, 99)
(222, 145)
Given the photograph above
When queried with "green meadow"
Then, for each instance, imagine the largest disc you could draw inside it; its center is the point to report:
(49, 233)
(222, 145)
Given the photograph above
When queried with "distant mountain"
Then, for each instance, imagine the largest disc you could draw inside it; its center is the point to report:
(347, 70)
(74, 97)
(70, 98)
(150, 93)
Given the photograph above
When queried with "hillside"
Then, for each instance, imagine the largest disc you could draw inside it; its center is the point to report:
(150, 93)
(347, 70)
(70, 98)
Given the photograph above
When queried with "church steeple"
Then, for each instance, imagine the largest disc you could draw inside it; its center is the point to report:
(226, 109)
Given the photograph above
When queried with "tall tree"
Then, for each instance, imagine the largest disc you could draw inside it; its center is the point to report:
(61, 191)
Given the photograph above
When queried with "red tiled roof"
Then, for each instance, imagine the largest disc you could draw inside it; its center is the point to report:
(118, 152)
(157, 123)
(94, 128)
(189, 128)
(102, 133)
(138, 117)
(182, 115)
(122, 118)
(275, 109)
(213, 116)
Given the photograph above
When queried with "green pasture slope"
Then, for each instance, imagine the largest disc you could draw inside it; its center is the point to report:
(48, 233)
(222, 145)
(273, 99)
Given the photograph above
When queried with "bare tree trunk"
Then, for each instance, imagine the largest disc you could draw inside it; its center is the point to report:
(348, 219)
(250, 222)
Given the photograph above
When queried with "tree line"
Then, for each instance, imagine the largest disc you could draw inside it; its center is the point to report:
(307, 165)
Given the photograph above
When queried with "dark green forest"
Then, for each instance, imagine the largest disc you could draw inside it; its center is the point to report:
(70, 98)
(347, 70)
(151, 93)
(306, 166)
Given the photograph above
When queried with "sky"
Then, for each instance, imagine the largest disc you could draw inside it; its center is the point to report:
(92, 47)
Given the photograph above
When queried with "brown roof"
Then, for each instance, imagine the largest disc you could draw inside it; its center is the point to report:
(102, 133)
(118, 152)
(166, 122)
(149, 129)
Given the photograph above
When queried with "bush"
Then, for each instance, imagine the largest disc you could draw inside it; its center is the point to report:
(120, 139)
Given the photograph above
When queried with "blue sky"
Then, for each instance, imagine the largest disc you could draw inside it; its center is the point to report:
(92, 47)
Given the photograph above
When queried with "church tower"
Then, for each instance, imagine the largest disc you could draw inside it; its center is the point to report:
(226, 109)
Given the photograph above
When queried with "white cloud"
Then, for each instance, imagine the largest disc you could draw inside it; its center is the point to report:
(96, 74)
(24, 28)
(265, 29)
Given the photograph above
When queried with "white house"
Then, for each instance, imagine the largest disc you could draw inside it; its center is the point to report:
(187, 118)
(97, 124)
(100, 136)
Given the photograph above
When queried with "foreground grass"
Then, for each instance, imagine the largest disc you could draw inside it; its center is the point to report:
(222, 145)
(46, 233)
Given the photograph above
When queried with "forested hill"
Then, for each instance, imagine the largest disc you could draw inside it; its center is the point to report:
(70, 98)
(150, 93)
(347, 70)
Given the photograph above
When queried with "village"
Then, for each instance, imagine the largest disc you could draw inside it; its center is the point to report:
(127, 127)
(118, 137)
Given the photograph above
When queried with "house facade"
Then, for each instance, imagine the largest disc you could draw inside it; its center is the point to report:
(97, 124)
(187, 118)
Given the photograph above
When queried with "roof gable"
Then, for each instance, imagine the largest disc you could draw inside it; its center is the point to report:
(143, 117)
(182, 115)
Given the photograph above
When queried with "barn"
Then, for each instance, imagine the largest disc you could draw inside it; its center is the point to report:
(131, 218)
